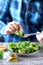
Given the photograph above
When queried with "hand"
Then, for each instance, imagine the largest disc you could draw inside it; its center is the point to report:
(40, 37)
(12, 27)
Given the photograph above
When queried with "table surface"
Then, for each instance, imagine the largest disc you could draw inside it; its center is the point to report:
(36, 59)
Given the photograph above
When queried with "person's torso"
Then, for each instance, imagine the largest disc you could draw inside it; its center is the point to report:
(32, 15)
(29, 13)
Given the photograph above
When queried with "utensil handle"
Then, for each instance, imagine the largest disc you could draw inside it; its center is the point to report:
(27, 35)
(33, 34)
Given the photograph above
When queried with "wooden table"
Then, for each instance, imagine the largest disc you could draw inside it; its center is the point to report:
(37, 59)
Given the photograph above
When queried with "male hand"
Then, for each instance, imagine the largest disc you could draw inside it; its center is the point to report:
(12, 27)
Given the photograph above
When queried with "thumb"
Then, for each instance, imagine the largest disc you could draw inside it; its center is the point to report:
(38, 36)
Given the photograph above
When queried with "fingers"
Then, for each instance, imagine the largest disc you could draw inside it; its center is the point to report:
(38, 32)
(38, 36)
(12, 27)
(21, 29)
(7, 31)
(42, 31)
(18, 26)
(15, 25)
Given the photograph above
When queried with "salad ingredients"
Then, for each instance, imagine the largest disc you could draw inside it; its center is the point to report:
(1, 54)
(3, 48)
(20, 33)
(24, 47)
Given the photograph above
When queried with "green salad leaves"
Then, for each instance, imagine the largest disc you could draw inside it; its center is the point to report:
(20, 33)
(24, 47)
(1, 54)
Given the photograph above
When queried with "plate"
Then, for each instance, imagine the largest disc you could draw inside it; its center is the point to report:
(27, 54)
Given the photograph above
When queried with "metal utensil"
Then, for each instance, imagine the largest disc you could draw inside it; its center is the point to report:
(27, 35)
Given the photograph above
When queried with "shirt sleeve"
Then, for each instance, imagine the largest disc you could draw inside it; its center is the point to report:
(2, 27)
(4, 8)
(4, 16)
